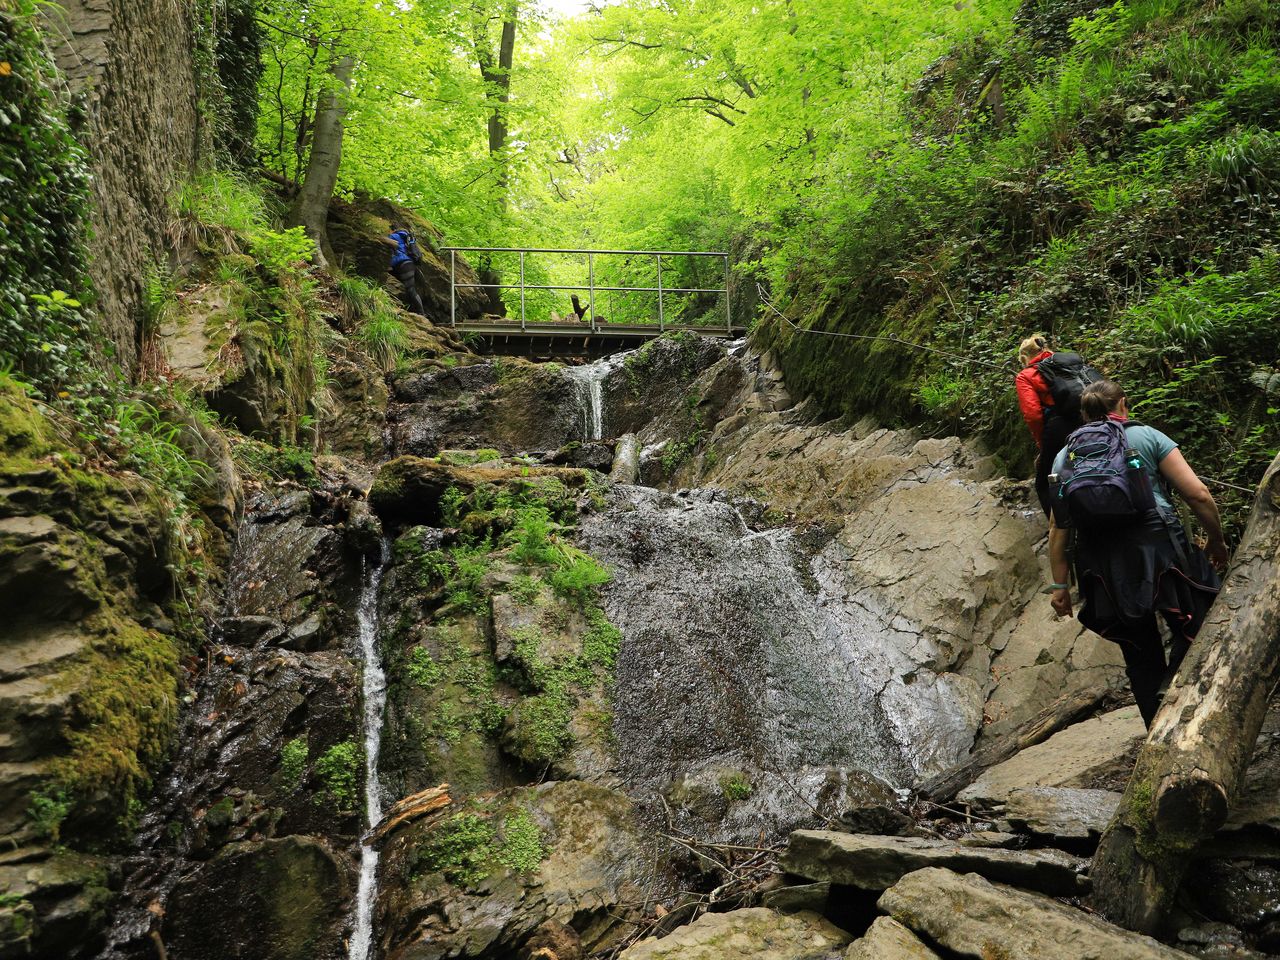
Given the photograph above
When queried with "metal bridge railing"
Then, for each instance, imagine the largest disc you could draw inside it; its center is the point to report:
(591, 288)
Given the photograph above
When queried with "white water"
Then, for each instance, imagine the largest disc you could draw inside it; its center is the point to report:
(589, 381)
(374, 696)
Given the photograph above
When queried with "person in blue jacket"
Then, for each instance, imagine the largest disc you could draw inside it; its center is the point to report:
(404, 265)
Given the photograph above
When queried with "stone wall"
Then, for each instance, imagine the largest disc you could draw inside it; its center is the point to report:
(131, 63)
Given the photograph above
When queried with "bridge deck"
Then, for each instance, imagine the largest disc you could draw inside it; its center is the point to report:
(576, 339)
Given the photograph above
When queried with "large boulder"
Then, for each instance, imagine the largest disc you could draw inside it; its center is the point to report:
(1062, 813)
(974, 918)
(755, 933)
(480, 883)
(887, 939)
(877, 863)
(284, 899)
(1095, 753)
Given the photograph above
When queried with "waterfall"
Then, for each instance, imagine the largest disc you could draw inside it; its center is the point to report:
(589, 381)
(374, 696)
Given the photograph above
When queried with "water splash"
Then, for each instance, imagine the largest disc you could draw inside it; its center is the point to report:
(374, 696)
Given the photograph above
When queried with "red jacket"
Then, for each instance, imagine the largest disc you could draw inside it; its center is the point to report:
(1034, 395)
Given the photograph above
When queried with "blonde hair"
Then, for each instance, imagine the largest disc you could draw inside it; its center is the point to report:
(1031, 346)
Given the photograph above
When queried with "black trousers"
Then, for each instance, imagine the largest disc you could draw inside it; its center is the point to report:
(1053, 439)
(1146, 665)
(407, 274)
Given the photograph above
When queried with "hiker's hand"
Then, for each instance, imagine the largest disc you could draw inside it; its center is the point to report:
(1216, 550)
(1061, 601)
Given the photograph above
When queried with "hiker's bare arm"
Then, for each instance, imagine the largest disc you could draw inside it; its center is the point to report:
(1178, 472)
(1060, 568)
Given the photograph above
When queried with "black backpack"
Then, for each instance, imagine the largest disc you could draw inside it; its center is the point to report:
(1103, 483)
(411, 247)
(1066, 375)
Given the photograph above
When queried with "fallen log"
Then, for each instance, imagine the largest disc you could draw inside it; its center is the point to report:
(1062, 713)
(410, 809)
(1197, 753)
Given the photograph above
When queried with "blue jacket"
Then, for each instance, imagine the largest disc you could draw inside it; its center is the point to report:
(401, 253)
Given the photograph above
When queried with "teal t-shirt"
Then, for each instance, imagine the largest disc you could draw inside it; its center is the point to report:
(1152, 446)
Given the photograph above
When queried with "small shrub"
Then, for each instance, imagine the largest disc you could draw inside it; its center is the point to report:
(531, 537)
(736, 786)
(339, 771)
(578, 576)
(293, 761)
(47, 811)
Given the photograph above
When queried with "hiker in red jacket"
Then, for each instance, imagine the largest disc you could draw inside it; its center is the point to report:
(1049, 388)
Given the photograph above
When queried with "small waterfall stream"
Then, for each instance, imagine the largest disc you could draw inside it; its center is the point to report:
(589, 381)
(374, 697)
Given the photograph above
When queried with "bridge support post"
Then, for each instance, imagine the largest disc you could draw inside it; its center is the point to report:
(728, 304)
(591, 289)
(662, 324)
(522, 291)
(453, 289)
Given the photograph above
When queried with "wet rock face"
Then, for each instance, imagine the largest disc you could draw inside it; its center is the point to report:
(275, 900)
(245, 849)
(509, 404)
(293, 582)
(742, 652)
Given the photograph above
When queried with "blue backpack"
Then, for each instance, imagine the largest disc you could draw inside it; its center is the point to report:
(1103, 483)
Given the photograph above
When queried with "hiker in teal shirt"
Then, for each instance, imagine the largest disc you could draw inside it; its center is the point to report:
(1128, 574)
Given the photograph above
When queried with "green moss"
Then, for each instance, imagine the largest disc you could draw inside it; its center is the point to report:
(422, 670)
(520, 846)
(123, 718)
(46, 810)
(22, 428)
(539, 728)
(460, 848)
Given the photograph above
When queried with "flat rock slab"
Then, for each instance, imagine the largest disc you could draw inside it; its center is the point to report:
(752, 934)
(887, 939)
(1066, 813)
(974, 918)
(877, 863)
(1074, 757)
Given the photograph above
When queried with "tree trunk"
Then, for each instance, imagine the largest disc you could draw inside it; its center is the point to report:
(311, 208)
(1197, 753)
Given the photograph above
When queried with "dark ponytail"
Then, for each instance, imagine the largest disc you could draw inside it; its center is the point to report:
(1099, 399)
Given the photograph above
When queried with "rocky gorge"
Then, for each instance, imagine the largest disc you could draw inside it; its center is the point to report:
(634, 660)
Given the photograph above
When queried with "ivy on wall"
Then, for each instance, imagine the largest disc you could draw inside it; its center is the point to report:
(44, 179)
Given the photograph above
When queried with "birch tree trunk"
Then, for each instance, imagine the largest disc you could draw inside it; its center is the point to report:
(1195, 758)
(311, 208)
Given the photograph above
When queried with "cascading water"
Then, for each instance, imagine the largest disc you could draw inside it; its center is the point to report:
(589, 383)
(374, 696)
(745, 649)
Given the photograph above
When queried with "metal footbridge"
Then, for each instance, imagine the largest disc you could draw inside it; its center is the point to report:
(537, 333)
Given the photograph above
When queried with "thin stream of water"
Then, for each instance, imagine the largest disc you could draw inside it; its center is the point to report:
(374, 696)
(589, 382)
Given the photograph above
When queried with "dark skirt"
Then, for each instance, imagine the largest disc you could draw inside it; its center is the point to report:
(1127, 575)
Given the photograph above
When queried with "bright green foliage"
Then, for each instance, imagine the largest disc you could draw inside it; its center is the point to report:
(577, 575)
(293, 761)
(339, 771)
